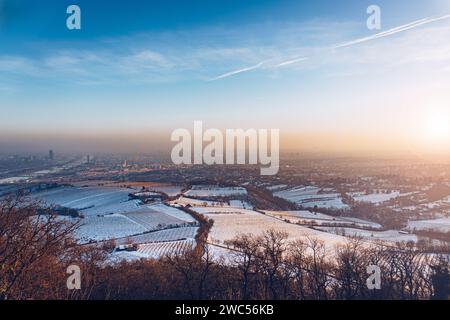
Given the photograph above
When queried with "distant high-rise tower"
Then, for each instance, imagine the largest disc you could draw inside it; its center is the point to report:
(51, 155)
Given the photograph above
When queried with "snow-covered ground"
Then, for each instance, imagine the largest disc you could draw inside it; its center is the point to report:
(114, 226)
(221, 254)
(220, 210)
(152, 219)
(120, 256)
(375, 198)
(276, 187)
(171, 211)
(389, 235)
(304, 216)
(184, 201)
(171, 191)
(213, 191)
(107, 227)
(14, 180)
(160, 249)
(108, 214)
(196, 202)
(153, 251)
(240, 204)
(173, 234)
(446, 200)
(311, 196)
(442, 224)
(229, 224)
(362, 223)
(90, 201)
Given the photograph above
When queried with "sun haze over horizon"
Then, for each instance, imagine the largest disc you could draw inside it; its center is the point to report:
(133, 74)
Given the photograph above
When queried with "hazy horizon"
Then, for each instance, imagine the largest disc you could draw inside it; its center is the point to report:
(156, 144)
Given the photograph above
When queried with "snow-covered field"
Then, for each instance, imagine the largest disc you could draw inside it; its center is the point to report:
(443, 203)
(90, 201)
(362, 223)
(184, 201)
(240, 204)
(171, 211)
(153, 251)
(108, 214)
(302, 214)
(159, 229)
(13, 180)
(306, 217)
(230, 222)
(161, 249)
(213, 191)
(238, 221)
(311, 196)
(155, 245)
(171, 191)
(221, 254)
(220, 210)
(152, 219)
(173, 234)
(113, 226)
(389, 235)
(375, 198)
(276, 187)
(442, 224)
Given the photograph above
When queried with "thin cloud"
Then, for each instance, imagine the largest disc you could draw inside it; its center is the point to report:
(232, 73)
(289, 62)
(383, 34)
(393, 31)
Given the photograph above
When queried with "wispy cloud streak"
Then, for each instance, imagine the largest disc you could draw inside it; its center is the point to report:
(232, 73)
(392, 31)
(383, 34)
(292, 61)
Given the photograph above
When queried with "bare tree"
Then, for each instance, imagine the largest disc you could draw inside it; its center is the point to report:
(319, 268)
(28, 240)
(297, 265)
(245, 255)
(273, 248)
(36, 247)
(350, 269)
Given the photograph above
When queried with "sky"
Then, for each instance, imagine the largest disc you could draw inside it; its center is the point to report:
(138, 70)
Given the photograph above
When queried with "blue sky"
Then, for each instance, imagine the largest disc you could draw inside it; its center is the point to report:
(27, 20)
(154, 66)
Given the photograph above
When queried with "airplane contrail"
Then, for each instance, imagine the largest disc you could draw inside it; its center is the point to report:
(383, 34)
(289, 62)
(231, 73)
(393, 31)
